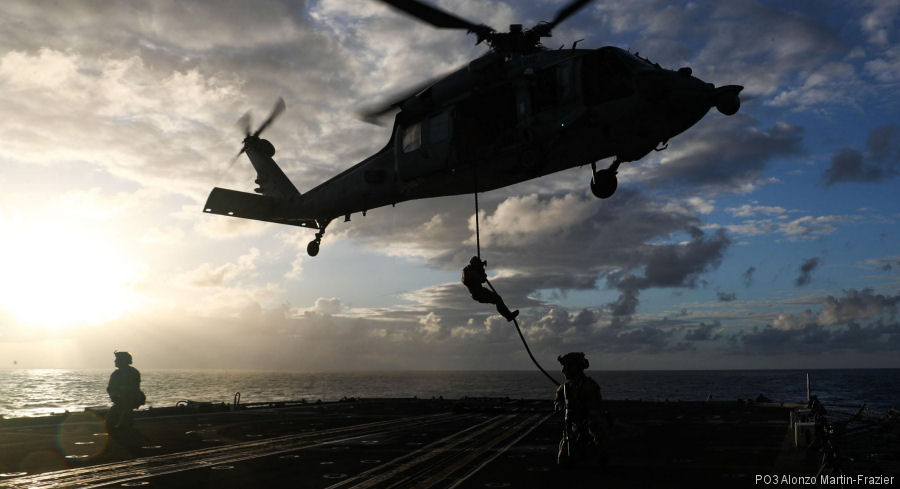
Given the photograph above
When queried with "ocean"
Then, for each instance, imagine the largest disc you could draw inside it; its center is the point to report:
(33, 392)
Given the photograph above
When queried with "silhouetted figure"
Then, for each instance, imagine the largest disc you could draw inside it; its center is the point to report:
(473, 275)
(124, 390)
(584, 435)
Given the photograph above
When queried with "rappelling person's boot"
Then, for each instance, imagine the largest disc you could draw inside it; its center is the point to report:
(506, 313)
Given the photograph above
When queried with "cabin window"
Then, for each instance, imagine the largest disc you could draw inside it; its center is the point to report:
(439, 128)
(543, 91)
(565, 79)
(412, 137)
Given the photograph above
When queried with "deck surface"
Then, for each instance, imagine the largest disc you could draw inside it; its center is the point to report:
(381, 443)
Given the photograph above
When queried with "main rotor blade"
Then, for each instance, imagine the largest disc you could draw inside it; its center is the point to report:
(244, 123)
(569, 10)
(373, 113)
(276, 111)
(435, 16)
(564, 13)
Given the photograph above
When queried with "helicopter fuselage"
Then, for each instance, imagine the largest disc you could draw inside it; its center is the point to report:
(497, 122)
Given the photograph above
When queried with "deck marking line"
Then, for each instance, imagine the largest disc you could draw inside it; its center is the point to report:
(500, 452)
(101, 475)
(418, 451)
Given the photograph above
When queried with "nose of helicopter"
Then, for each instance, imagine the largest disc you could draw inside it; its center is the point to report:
(690, 98)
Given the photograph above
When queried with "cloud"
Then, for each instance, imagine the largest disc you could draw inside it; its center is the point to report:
(860, 320)
(747, 276)
(727, 32)
(726, 297)
(728, 156)
(816, 339)
(327, 306)
(704, 332)
(879, 163)
(531, 218)
(877, 22)
(886, 67)
(208, 276)
(667, 266)
(886, 264)
(806, 270)
(857, 306)
(806, 228)
(748, 210)
(169, 235)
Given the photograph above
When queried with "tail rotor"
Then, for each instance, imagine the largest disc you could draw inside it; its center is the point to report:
(245, 123)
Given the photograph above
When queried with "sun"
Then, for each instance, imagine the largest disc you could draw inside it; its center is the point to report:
(58, 274)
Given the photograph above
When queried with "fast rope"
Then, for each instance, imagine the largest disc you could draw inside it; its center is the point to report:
(478, 250)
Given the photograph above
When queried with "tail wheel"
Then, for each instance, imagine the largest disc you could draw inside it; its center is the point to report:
(604, 183)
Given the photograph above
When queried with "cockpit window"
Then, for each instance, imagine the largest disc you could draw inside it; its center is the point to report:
(412, 137)
(635, 63)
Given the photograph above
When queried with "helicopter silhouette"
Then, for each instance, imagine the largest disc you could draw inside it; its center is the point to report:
(518, 112)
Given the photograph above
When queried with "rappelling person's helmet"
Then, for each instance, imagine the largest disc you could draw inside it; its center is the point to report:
(475, 261)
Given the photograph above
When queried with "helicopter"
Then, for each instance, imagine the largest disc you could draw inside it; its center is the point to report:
(518, 112)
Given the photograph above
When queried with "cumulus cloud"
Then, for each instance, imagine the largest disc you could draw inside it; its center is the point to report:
(857, 306)
(330, 305)
(207, 275)
(860, 320)
(431, 326)
(528, 219)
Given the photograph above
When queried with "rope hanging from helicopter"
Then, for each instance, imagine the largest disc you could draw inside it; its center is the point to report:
(478, 251)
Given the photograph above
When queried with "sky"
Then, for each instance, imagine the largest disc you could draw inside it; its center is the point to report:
(767, 239)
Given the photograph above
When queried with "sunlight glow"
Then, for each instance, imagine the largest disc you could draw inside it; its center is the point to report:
(58, 274)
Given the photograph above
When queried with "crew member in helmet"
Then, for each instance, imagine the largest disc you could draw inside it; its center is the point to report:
(124, 390)
(473, 275)
(584, 436)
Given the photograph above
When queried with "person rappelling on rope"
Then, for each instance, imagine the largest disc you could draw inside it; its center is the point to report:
(473, 275)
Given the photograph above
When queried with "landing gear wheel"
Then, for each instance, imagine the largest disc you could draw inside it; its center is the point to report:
(604, 183)
(312, 249)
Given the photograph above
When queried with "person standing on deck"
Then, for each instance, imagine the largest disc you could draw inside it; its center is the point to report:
(584, 441)
(124, 390)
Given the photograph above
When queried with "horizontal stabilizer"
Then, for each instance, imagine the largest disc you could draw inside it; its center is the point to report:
(227, 202)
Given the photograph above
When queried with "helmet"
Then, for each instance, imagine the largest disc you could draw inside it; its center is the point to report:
(474, 261)
(574, 359)
(123, 356)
